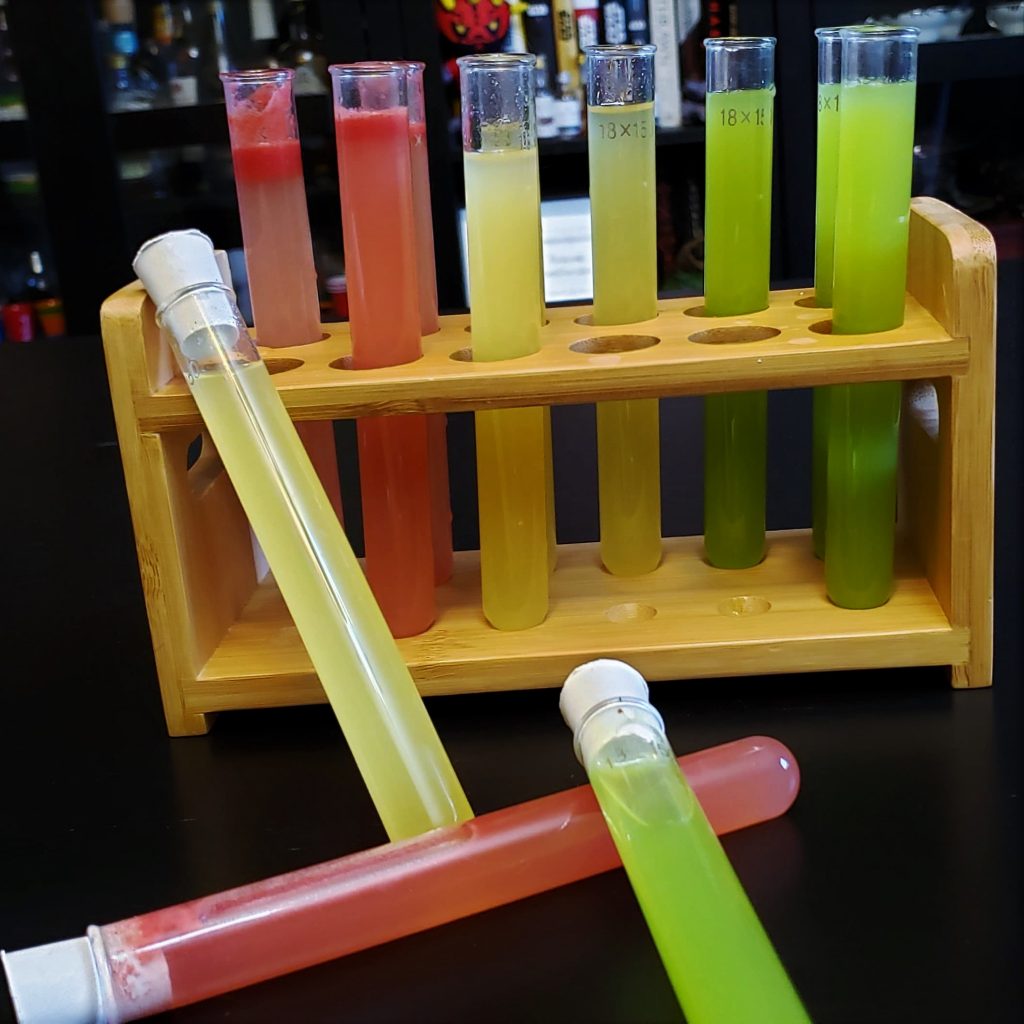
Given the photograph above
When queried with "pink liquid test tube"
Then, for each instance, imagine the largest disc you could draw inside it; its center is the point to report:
(180, 955)
(371, 122)
(437, 424)
(267, 161)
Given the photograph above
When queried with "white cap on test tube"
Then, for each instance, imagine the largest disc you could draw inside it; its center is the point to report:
(596, 683)
(57, 984)
(174, 261)
(171, 266)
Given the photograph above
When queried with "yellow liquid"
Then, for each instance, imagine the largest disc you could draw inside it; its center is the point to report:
(513, 446)
(392, 739)
(624, 239)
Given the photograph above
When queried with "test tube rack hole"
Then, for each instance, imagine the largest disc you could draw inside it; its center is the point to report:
(223, 639)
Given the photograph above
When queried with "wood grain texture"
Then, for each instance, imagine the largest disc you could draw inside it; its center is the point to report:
(221, 640)
(684, 620)
(313, 387)
(952, 273)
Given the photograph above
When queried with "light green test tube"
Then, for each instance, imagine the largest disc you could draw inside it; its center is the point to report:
(717, 956)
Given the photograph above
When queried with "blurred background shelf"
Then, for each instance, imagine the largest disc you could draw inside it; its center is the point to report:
(971, 57)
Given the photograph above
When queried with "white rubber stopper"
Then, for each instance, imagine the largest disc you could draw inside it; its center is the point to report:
(174, 261)
(598, 682)
(55, 984)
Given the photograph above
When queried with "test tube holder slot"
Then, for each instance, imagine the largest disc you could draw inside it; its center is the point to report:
(223, 639)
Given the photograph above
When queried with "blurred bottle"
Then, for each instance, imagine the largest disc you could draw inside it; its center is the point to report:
(588, 23)
(11, 106)
(303, 51)
(263, 33)
(547, 105)
(48, 308)
(213, 58)
(129, 85)
(183, 58)
(613, 23)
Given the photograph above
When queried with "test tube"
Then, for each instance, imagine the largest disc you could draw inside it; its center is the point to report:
(876, 140)
(737, 243)
(715, 951)
(830, 67)
(392, 739)
(437, 424)
(179, 955)
(506, 301)
(620, 143)
(267, 161)
(375, 175)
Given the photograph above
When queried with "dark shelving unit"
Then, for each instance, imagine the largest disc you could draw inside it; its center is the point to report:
(971, 57)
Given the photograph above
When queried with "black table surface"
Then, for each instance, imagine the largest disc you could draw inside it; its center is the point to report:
(891, 889)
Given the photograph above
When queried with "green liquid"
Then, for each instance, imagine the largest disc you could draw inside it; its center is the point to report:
(824, 243)
(624, 242)
(718, 958)
(737, 250)
(876, 140)
(735, 452)
(825, 192)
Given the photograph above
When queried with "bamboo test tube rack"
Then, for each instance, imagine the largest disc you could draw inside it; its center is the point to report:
(223, 639)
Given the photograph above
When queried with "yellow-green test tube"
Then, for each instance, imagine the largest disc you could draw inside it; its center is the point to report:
(715, 951)
(876, 139)
(620, 142)
(737, 247)
(506, 312)
(392, 739)
(829, 74)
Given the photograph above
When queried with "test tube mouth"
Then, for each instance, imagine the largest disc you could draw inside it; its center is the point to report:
(830, 53)
(738, 63)
(366, 69)
(621, 51)
(740, 43)
(405, 65)
(258, 75)
(496, 61)
(824, 34)
(879, 53)
(618, 76)
(887, 33)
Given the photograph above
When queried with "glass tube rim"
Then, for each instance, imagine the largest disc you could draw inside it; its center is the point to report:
(829, 33)
(242, 76)
(496, 61)
(414, 66)
(886, 33)
(619, 51)
(740, 43)
(367, 69)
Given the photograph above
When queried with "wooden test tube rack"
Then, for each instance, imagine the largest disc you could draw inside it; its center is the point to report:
(224, 640)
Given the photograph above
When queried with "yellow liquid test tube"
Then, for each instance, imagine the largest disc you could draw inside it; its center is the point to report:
(506, 311)
(382, 716)
(620, 142)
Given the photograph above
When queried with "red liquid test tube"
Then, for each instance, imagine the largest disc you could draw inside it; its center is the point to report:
(180, 955)
(375, 177)
(267, 160)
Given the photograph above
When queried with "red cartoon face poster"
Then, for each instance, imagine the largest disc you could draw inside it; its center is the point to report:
(469, 26)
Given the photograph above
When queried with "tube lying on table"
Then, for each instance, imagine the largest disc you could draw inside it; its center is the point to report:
(216, 944)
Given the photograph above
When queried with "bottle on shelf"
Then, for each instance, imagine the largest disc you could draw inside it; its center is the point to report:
(11, 106)
(155, 55)
(547, 105)
(303, 51)
(129, 84)
(37, 294)
(183, 58)
(262, 32)
(213, 58)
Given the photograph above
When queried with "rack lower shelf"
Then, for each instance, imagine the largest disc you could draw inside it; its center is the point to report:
(685, 620)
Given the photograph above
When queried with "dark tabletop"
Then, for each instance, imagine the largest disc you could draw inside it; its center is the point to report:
(891, 890)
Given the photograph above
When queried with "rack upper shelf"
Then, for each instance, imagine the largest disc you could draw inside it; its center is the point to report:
(680, 352)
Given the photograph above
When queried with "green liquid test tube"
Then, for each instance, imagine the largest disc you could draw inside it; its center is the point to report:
(876, 138)
(718, 958)
(737, 243)
(829, 74)
(620, 143)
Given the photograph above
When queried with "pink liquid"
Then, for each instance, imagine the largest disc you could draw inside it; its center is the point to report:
(220, 943)
(375, 175)
(437, 425)
(278, 248)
